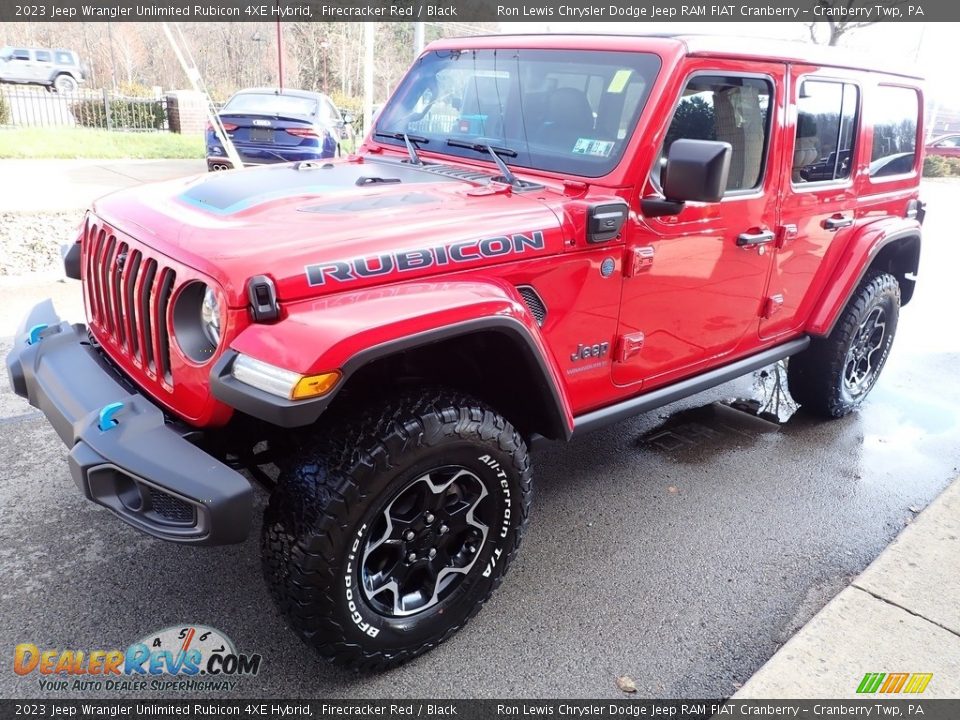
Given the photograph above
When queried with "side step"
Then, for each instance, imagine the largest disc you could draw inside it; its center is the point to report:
(685, 388)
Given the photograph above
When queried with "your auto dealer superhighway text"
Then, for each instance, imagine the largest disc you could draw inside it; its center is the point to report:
(580, 12)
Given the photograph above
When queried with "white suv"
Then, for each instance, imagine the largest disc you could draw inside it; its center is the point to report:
(55, 69)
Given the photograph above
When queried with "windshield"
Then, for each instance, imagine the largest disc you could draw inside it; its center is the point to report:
(567, 111)
(270, 104)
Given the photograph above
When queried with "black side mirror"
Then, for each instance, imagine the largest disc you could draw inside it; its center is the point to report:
(696, 170)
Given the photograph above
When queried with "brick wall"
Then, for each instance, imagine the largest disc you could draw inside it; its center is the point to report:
(186, 111)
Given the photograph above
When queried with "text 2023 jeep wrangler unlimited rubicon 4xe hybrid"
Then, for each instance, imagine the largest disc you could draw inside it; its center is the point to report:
(540, 235)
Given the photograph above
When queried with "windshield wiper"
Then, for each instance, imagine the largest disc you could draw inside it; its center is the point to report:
(494, 152)
(410, 141)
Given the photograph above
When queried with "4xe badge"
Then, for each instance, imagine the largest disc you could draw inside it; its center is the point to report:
(187, 658)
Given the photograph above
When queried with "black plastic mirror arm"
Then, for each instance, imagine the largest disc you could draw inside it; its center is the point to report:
(659, 207)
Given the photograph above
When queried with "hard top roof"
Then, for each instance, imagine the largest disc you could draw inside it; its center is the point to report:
(690, 44)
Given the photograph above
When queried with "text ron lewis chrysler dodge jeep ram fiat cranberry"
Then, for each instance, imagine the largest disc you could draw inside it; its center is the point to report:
(541, 235)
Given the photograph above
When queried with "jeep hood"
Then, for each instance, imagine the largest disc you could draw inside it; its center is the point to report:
(325, 227)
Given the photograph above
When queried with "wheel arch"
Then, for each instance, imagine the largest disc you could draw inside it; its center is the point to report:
(517, 382)
(476, 337)
(892, 246)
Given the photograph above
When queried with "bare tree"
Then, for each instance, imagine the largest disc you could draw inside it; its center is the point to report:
(836, 29)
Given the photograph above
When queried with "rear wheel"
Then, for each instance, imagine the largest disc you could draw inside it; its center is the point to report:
(65, 84)
(835, 374)
(386, 536)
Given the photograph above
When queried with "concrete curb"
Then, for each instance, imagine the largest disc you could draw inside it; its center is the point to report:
(901, 615)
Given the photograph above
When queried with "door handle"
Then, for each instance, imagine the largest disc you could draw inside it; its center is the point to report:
(748, 239)
(835, 223)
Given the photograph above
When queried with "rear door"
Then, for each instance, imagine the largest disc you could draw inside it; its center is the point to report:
(42, 65)
(695, 280)
(819, 198)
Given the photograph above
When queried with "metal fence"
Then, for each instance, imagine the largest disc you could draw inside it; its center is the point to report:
(28, 106)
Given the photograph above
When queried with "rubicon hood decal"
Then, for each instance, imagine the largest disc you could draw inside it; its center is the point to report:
(397, 262)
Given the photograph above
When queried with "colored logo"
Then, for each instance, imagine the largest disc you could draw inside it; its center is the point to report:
(892, 683)
(184, 653)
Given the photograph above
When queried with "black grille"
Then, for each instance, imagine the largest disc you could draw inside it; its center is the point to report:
(534, 303)
(128, 292)
(170, 508)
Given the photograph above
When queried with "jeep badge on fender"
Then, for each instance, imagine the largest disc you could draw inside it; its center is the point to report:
(517, 259)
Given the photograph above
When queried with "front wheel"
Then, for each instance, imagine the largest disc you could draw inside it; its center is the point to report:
(835, 374)
(386, 536)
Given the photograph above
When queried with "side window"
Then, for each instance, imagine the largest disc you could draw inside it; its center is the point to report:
(731, 109)
(826, 131)
(20, 54)
(42, 56)
(64, 58)
(895, 112)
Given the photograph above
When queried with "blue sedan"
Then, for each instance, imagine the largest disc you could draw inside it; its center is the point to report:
(267, 125)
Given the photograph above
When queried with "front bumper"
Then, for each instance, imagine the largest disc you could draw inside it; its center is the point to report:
(133, 461)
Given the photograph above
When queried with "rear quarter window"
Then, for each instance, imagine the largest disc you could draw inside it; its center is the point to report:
(64, 58)
(895, 112)
(42, 56)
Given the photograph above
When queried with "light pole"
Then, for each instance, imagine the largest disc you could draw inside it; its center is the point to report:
(325, 47)
(257, 38)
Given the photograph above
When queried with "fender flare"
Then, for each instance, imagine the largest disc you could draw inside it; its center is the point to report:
(356, 329)
(859, 254)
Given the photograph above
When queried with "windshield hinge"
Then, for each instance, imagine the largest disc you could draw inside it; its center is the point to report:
(575, 188)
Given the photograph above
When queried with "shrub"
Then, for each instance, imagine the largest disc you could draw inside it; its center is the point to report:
(4, 111)
(349, 104)
(126, 113)
(936, 166)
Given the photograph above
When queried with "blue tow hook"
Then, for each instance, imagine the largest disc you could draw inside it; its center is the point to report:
(34, 335)
(106, 416)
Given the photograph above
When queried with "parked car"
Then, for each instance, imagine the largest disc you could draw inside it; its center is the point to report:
(945, 146)
(519, 251)
(268, 125)
(56, 69)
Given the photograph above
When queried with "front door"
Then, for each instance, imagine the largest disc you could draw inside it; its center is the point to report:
(696, 280)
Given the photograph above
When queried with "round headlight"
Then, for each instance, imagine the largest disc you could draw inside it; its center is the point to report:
(197, 321)
(210, 316)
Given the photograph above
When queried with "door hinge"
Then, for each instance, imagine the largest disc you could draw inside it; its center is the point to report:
(639, 260)
(771, 306)
(785, 234)
(628, 346)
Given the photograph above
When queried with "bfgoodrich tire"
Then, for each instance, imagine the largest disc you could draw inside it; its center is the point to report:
(387, 535)
(833, 376)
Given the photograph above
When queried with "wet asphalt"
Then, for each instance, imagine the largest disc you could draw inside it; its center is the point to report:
(681, 548)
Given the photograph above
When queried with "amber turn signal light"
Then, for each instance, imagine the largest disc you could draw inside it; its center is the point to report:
(311, 386)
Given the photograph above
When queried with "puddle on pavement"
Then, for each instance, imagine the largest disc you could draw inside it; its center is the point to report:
(737, 421)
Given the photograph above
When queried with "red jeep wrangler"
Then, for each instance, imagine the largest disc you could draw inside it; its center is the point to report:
(540, 236)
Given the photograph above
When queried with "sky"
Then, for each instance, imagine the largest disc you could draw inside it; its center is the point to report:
(933, 47)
